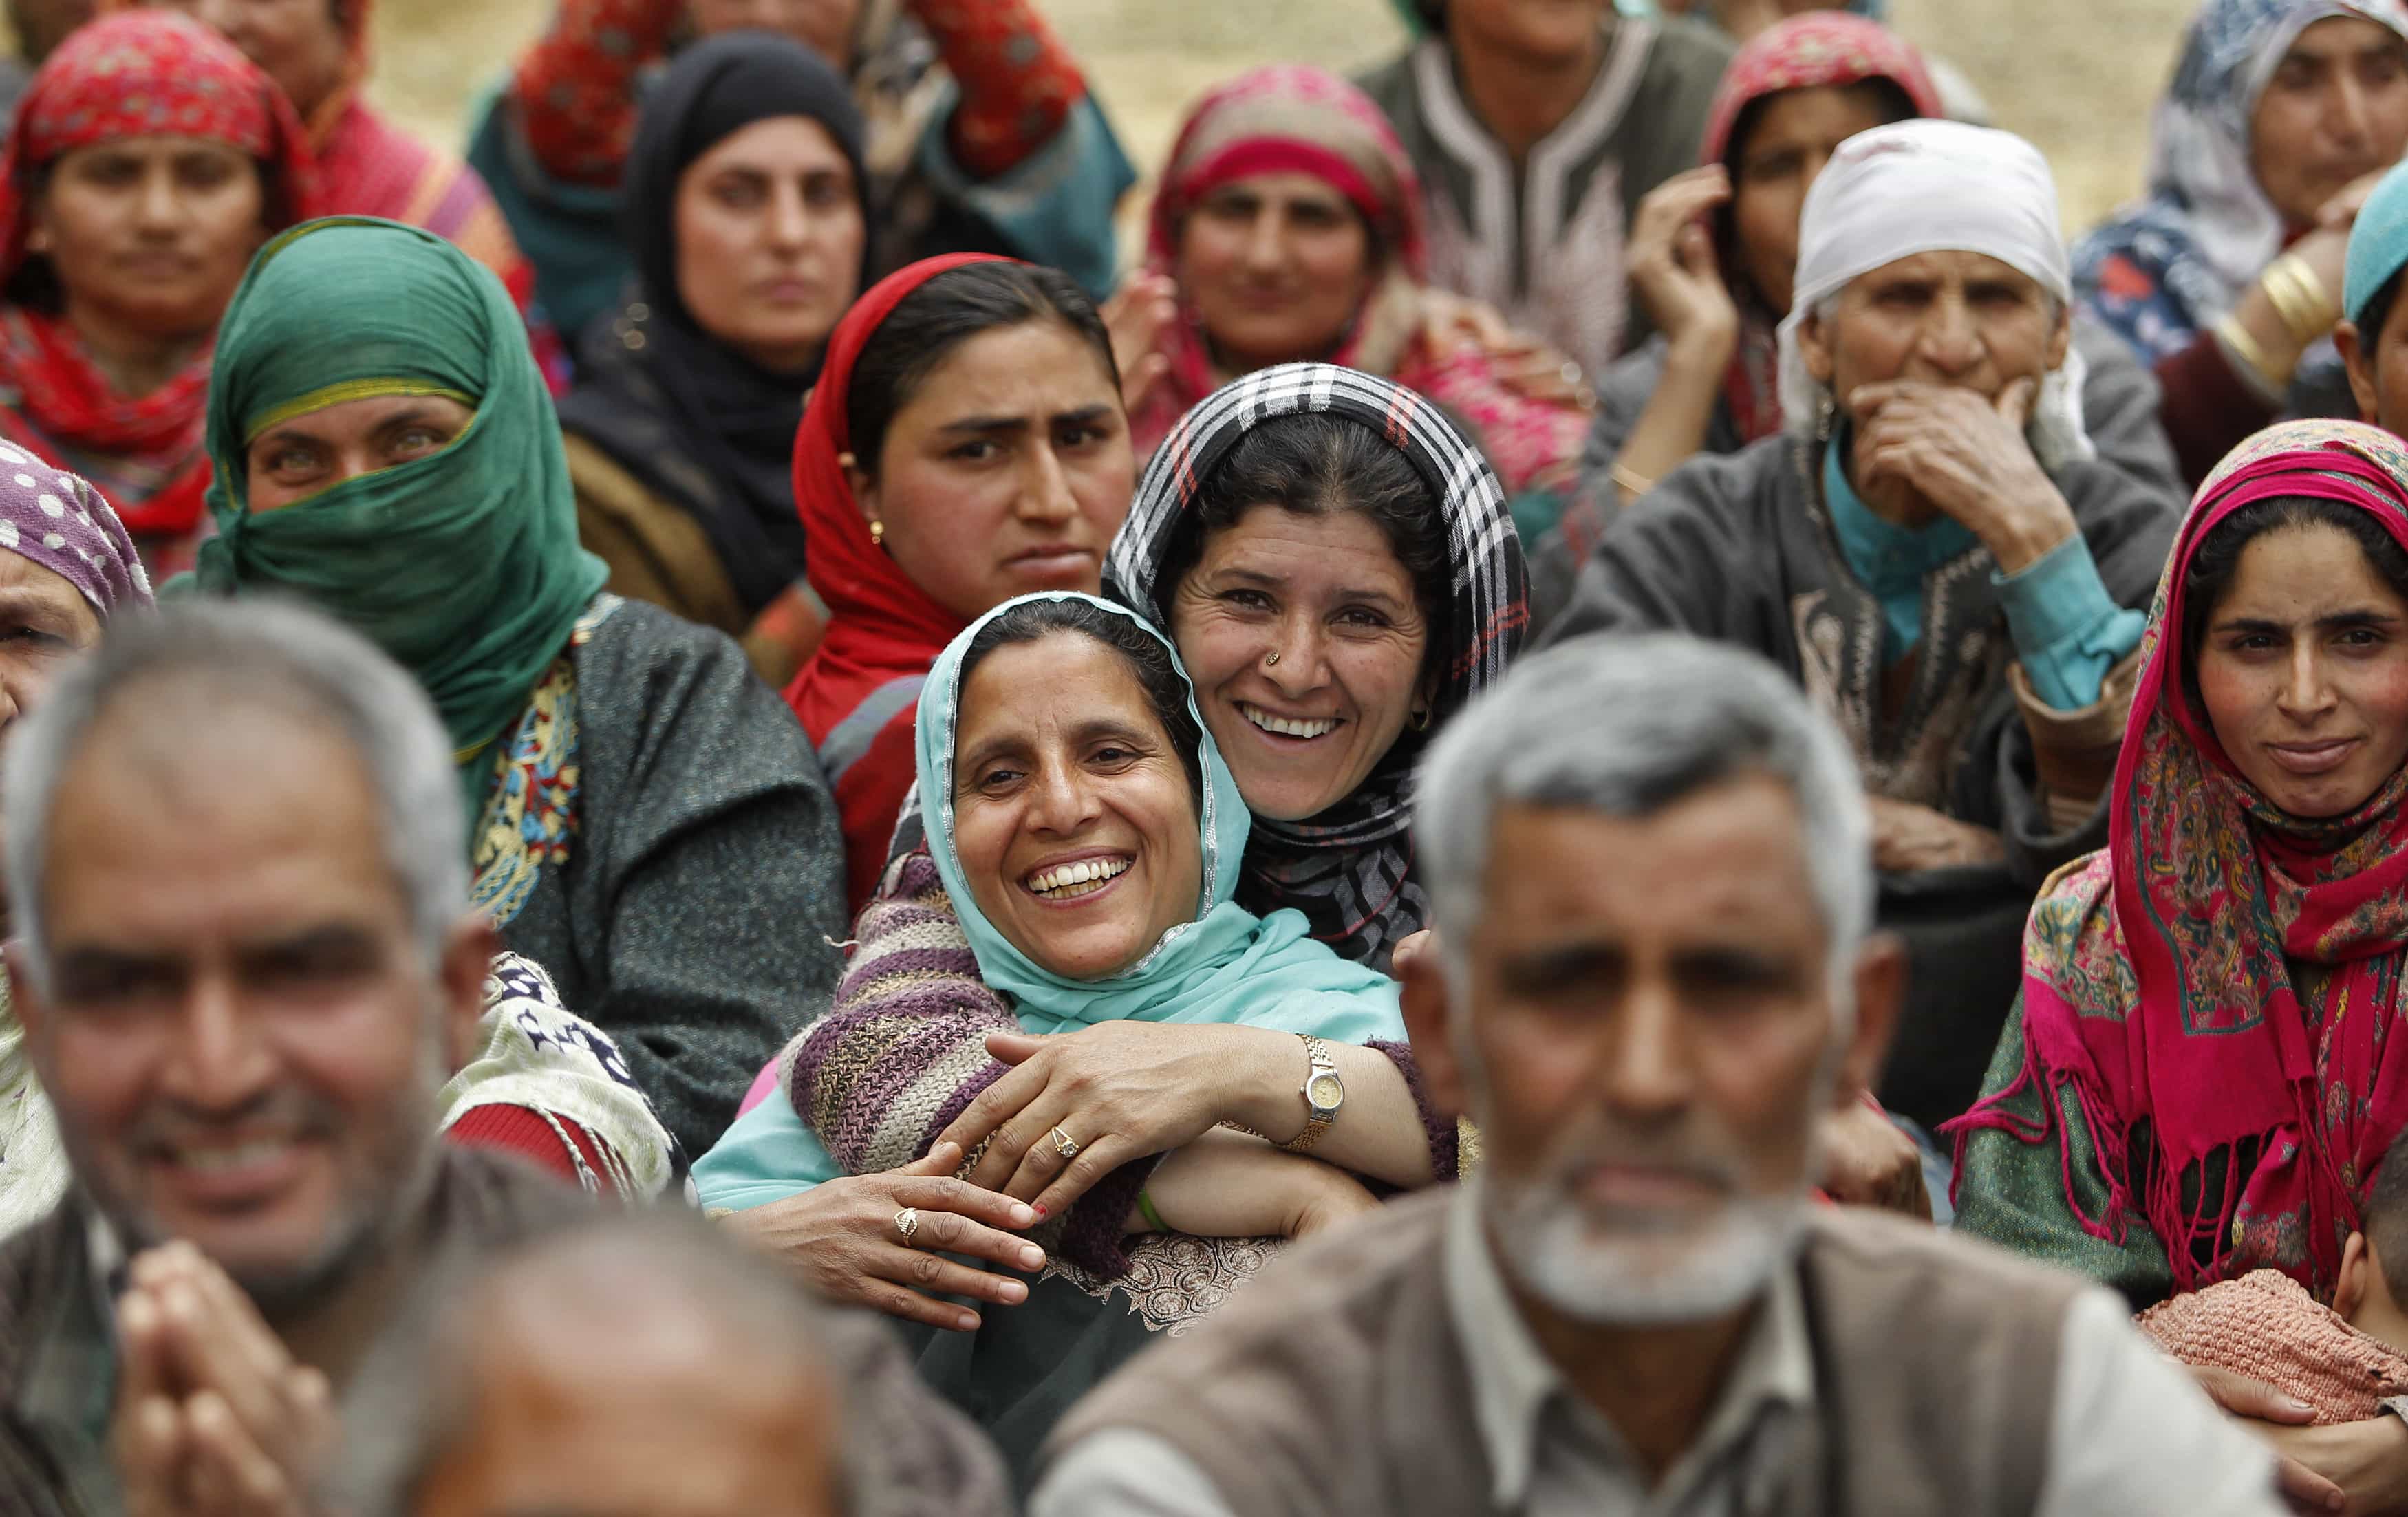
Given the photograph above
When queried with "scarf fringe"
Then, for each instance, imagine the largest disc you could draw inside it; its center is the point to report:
(2107, 1139)
(2181, 1227)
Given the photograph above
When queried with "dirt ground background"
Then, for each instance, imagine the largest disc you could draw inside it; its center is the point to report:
(2075, 76)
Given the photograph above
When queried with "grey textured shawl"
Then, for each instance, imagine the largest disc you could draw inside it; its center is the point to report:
(705, 884)
(1740, 550)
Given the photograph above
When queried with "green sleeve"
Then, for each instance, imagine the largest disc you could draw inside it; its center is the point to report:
(2011, 1193)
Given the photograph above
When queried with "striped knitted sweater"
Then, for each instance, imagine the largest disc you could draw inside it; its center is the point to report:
(903, 1051)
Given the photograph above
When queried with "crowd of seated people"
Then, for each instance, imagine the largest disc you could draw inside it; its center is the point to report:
(1606, 792)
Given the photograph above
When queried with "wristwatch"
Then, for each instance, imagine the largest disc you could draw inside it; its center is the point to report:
(1324, 1093)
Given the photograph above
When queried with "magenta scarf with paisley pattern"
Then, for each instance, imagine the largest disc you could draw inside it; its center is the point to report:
(2224, 972)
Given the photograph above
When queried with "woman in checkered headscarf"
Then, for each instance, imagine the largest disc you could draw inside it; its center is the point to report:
(1431, 608)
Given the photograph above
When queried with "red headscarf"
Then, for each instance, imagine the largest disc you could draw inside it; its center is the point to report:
(1289, 118)
(149, 73)
(883, 629)
(1815, 50)
(353, 19)
(2159, 975)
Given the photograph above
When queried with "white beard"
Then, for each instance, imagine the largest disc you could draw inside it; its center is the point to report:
(1637, 1278)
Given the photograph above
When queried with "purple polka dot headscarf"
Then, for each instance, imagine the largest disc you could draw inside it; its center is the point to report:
(58, 521)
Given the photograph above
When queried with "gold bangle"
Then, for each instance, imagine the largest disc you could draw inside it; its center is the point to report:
(2235, 336)
(1631, 485)
(2300, 297)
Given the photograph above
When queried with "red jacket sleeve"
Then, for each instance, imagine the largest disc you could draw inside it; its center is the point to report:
(1018, 82)
(575, 89)
(528, 1134)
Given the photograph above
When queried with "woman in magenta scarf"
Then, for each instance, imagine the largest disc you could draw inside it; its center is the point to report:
(2201, 1074)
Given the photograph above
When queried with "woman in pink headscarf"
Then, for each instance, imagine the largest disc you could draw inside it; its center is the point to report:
(1289, 224)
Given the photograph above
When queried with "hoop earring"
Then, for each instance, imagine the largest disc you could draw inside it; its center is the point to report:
(1421, 721)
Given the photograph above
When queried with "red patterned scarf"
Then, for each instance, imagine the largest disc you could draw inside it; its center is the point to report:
(2225, 973)
(145, 73)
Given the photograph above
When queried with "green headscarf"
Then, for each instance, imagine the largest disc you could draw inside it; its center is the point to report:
(465, 565)
(1225, 965)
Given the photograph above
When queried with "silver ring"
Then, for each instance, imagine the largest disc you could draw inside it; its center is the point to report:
(906, 1221)
(1063, 1145)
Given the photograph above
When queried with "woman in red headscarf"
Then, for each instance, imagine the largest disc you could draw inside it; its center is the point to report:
(1289, 227)
(367, 166)
(147, 163)
(964, 444)
(2207, 1062)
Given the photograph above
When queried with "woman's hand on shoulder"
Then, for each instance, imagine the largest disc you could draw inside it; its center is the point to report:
(1117, 1091)
(845, 1240)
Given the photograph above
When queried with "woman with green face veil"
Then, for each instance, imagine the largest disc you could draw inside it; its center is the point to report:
(644, 817)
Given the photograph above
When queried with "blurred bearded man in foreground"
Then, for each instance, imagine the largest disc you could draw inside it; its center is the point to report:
(1650, 864)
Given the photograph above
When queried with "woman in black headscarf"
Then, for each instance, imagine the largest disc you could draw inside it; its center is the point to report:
(747, 213)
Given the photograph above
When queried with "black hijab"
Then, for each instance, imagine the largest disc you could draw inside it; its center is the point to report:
(693, 418)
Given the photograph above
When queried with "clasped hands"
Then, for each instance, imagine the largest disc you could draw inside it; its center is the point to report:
(214, 1417)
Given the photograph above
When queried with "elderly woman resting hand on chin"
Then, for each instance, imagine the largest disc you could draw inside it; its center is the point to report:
(1086, 833)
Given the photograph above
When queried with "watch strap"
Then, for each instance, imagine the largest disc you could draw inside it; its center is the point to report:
(1317, 1052)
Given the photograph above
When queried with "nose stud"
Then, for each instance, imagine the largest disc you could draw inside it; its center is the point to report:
(1271, 661)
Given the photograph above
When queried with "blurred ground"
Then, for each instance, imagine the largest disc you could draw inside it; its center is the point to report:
(2075, 76)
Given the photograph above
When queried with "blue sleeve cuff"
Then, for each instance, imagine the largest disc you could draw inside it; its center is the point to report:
(1056, 207)
(767, 1155)
(2068, 631)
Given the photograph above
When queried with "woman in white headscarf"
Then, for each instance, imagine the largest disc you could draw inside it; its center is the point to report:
(1930, 550)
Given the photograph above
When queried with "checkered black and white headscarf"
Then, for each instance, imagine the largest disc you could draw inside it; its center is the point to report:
(1349, 869)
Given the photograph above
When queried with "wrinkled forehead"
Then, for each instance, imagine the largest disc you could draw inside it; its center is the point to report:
(174, 782)
(1720, 868)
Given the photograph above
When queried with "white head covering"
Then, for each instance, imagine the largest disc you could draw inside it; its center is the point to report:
(1933, 186)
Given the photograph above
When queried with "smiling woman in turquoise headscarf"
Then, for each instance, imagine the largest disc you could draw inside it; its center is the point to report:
(649, 823)
(1087, 832)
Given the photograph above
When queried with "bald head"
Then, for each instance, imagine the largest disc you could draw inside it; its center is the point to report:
(636, 1366)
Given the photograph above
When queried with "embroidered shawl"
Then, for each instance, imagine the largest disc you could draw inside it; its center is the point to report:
(2225, 976)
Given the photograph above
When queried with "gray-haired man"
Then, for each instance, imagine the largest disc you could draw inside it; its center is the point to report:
(245, 967)
(1650, 872)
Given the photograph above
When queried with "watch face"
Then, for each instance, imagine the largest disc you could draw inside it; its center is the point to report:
(1326, 1091)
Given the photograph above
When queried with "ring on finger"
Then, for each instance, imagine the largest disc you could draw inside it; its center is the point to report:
(906, 1221)
(1063, 1145)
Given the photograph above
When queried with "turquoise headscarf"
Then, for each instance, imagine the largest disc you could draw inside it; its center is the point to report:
(2378, 248)
(465, 565)
(1227, 965)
